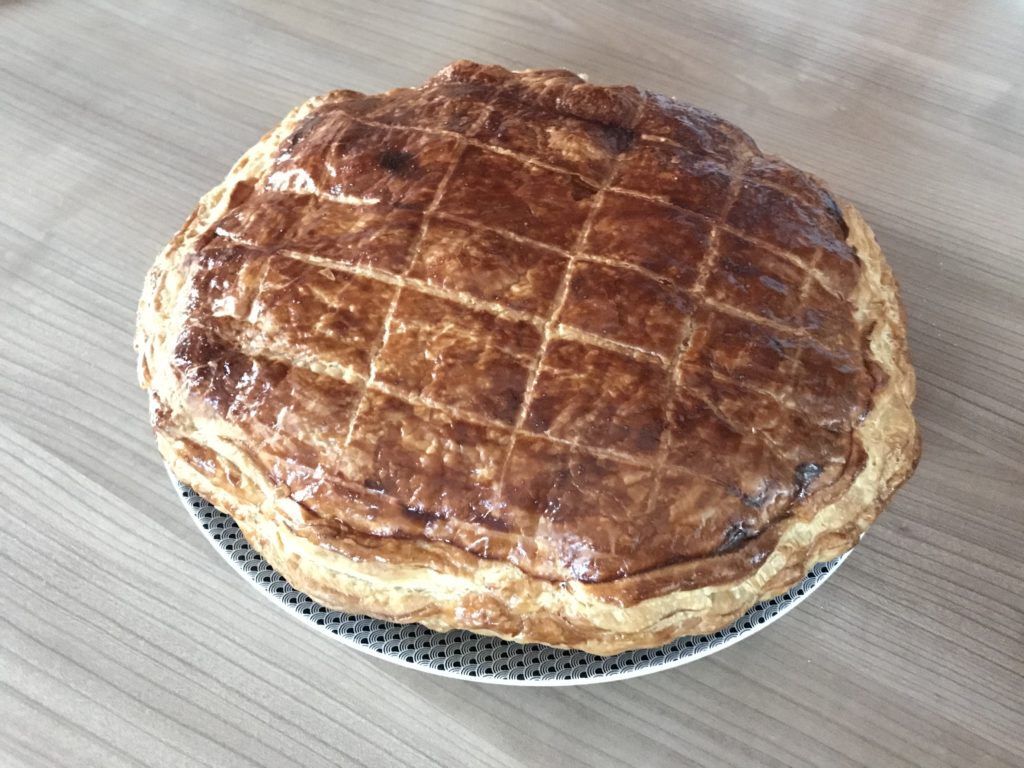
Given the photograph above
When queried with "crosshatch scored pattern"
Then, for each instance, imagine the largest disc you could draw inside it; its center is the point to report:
(525, 347)
(468, 655)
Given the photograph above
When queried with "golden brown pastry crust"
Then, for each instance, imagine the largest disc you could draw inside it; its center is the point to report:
(360, 541)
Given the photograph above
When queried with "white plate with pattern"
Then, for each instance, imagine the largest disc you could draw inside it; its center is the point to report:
(475, 657)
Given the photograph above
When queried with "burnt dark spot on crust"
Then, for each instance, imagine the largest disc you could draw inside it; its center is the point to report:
(737, 267)
(621, 138)
(305, 127)
(804, 476)
(754, 502)
(487, 517)
(580, 189)
(648, 435)
(832, 207)
(542, 413)
(417, 512)
(735, 535)
(507, 407)
(397, 161)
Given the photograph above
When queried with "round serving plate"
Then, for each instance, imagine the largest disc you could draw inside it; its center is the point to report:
(475, 657)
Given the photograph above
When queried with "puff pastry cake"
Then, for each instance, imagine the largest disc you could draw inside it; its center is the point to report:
(515, 353)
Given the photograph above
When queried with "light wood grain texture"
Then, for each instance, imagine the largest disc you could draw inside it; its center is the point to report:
(125, 640)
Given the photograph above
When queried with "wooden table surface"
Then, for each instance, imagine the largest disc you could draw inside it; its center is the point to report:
(125, 640)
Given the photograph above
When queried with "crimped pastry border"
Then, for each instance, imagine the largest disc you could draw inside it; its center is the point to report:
(492, 597)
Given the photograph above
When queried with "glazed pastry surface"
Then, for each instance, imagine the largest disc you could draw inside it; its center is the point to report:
(519, 354)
